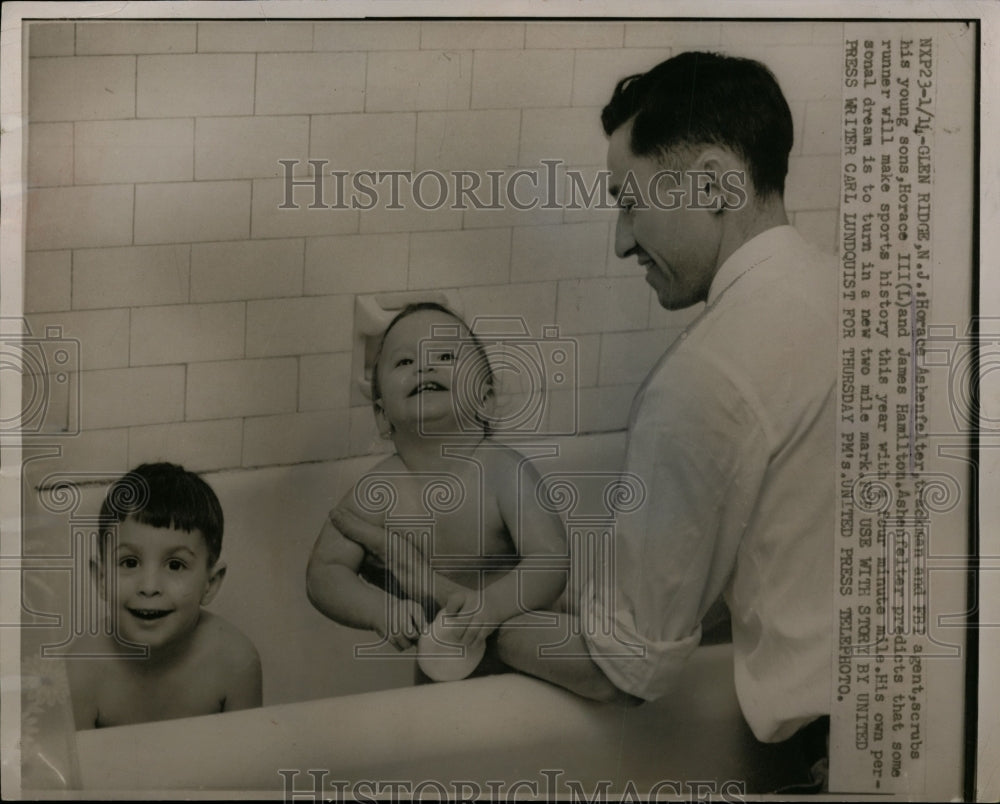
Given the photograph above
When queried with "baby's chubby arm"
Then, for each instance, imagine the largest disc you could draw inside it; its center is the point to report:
(335, 588)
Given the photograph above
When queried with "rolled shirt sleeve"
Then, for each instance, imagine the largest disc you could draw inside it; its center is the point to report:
(697, 442)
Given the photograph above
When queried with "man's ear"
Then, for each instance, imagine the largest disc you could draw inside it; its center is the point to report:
(707, 179)
(216, 575)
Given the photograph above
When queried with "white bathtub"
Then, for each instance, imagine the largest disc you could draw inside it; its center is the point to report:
(363, 721)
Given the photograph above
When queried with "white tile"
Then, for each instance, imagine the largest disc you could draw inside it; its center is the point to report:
(81, 88)
(325, 381)
(418, 81)
(79, 217)
(249, 147)
(186, 333)
(520, 79)
(310, 83)
(51, 39)
(522, 197)
(356, 263)
(101, 452)
(597, 72)
(50, 154)
(364, 435)
(130, 276)
(459, 259)
(530, 306)
(293, 438)
(367, 35)
(602, 305)
(572, 135)
(247, 269)
(424, 205)
(355, 142)
(47, 281)
(574, 34)
(310, 325)
(100, 38)
(760, 32)
(197, 446)
(195, 85)
(99, 336)
(271, 218)
(453, 35)
(192, 211)
(828, 33)
(475, 140)
(813, 183)
(822, 127)
(254, 37)
(677, 35)
(131, 151)
(132, 396)
(566, 251)
(235, 388)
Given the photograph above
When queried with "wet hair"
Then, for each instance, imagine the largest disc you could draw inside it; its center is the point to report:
(417, 307)
(699, 98)
(164, 495)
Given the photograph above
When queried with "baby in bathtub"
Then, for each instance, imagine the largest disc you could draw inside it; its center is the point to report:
(433, 406)
(160, 535)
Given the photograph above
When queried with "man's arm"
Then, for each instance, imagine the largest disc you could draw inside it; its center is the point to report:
(568, 663)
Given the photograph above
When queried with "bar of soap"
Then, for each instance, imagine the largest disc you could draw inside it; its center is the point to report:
(444, 661)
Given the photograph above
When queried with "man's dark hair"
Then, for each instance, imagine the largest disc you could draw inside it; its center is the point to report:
(164, 495)
(699, 98)
(486, 374)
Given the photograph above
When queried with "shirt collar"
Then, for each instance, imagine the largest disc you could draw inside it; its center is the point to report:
(756, 250)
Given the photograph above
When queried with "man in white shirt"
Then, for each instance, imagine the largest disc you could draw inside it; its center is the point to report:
(732, 432)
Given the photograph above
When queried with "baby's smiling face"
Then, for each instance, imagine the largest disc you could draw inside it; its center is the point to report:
(411, 388)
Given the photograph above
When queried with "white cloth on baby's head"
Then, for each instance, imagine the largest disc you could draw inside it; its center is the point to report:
(733, 435)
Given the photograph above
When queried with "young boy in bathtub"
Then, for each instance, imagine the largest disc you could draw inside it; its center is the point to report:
(160, 535)
(497, 524)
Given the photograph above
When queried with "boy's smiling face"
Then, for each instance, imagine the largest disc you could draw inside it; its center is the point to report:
(162, 579)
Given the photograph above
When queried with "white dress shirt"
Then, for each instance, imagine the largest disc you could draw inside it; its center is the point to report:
(733, 434)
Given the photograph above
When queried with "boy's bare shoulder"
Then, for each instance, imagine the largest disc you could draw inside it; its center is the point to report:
(223, 642)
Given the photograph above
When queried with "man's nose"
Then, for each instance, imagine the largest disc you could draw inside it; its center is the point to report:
(624, 241)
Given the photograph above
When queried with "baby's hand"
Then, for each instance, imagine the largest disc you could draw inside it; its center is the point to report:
(405, 622)
(471, 618)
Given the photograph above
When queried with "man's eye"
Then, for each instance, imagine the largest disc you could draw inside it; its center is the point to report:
(176, 564)
(129, 562)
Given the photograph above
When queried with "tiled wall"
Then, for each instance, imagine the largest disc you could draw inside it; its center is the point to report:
(216, 328)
